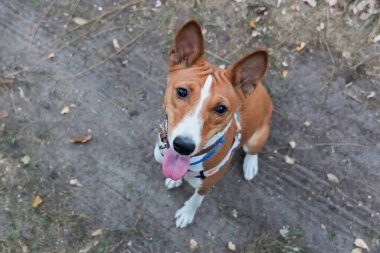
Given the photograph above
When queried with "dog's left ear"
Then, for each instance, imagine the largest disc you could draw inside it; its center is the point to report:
(188, 45)
(249, 71)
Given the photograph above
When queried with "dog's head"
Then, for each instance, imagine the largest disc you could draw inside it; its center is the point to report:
(200, 98)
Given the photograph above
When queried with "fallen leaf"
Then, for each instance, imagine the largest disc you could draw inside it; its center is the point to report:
(361, 244)
(323, 226)
(285, 73)
(372, 94)
(284, 231)
(3, 115)
(37, 201)
(75, 182)
(279, 3)
(193, 244)
(231, 246)
(51, 56)
(234, 213)
(312, 3)
(72, 106)
(125, 62)
(158, 4)
(357, 250)
(292, 144)
(289, 160)
(321, 27)
(116, 45)
(80, 21)
(295, 7)
(285, 64)
(300, 47)
(332, 178)
(81, 139)
(65, 110)
(252, 24)
(376, 38)
(331, 2)
(307, 123)
(255, 33)
(25, 160)
(23, 246)
(97, 232)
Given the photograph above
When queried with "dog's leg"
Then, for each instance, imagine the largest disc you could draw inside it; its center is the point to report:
(157, 154)
(252, 148)
(185, 215)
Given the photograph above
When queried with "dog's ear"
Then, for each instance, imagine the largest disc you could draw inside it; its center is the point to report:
(188, 46)
(249, 71)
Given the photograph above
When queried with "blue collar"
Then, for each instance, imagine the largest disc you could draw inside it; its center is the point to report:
(206, 157)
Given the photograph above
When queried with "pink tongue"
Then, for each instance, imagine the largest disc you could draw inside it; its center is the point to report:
(174, 165)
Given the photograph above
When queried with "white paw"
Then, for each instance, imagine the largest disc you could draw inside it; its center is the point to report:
(157, 154)
(170, 184)
(250, 166)
(184, 216)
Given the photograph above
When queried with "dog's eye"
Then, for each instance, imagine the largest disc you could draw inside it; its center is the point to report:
(181, 92)
(220, 109)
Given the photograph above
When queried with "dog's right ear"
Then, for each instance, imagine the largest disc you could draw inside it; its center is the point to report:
(188, 46)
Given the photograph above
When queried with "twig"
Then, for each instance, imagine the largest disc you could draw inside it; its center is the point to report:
(100, 17)
(34, 31)
(366, 59)
(110, 56)
(217, 56)
(68, 21)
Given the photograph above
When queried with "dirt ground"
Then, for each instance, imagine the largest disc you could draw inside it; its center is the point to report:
(328, 104)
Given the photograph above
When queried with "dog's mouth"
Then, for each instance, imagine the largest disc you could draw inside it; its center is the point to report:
(174, 165)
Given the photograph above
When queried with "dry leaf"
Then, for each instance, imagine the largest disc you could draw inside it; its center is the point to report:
(81, 139)
(234, 213)
(312, 3)
(116, 45)
(51, 56)
(332, 178)
(285, 73)
(372, 94)
(292, 144)
(75, 182)
(300, 47)
(65, 110)
(376, 38)
(331, 2)
(193, 244)
(284, 231)
(357, 250)
(285, 64)
(3, 115)
(25, 160)
(37, 201)
(307, 123)
(231, 246)
(289, 160)
(255, 33)
(23, 247)
(361, 244)
(252, 24)
(80, 21)
(72, 106)
(158, 4)
(321, 27)
(295, 7)
(97, 232)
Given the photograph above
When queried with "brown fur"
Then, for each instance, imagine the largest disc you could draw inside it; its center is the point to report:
(239, 88)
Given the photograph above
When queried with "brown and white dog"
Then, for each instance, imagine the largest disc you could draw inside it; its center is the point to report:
(210, 112)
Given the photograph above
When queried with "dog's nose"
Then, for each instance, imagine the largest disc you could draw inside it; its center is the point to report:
(183, 145)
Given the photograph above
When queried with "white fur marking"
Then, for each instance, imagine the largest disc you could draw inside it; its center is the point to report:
(191, 125)
(171, 184)
(185, 215)
(250, 166)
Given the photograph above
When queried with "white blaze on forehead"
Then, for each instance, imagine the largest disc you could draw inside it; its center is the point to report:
(192, 123)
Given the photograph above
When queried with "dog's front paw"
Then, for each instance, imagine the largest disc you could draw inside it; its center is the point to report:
(184, 216)
(250, 166)
(171, 184)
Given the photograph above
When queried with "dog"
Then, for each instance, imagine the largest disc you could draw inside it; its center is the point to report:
(210, 112)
